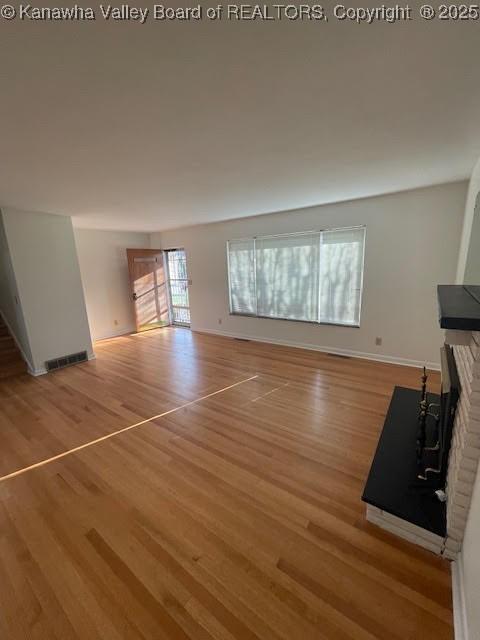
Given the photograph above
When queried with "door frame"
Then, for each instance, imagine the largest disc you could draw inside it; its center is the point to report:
(170, 303)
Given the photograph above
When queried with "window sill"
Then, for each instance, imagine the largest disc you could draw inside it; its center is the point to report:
(318, 324)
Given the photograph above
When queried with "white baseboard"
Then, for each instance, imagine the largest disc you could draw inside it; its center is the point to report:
(459, 606)
(43, 371)
(114, 334)
(435, 366)
(37, 372)
(31, 369)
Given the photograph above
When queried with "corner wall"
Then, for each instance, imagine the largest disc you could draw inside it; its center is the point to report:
(44, 261)
(473, 191)
(10, 304)
(412, 245)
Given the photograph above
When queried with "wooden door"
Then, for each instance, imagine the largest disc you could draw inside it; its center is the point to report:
(148, 286)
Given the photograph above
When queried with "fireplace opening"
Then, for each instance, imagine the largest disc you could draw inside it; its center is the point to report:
(435, 426)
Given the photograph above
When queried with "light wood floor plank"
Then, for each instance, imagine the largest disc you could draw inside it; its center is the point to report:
(236, 517)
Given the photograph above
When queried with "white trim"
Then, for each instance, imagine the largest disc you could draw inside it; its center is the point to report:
(406, 530)
(31, 369)
(166, 270)
(38, 372)
(362, 275)
(459, 607)
(435, 366)
(114, 334)
(43, 371)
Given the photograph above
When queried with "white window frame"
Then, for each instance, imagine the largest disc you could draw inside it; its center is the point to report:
(299, 233)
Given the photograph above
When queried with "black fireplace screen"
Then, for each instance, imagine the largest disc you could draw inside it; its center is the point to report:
(436, 424)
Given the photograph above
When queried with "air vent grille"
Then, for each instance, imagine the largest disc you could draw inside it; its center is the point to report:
(66, 361)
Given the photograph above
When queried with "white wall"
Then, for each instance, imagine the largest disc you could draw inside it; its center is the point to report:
(412, 245)
(10, 304)
(469, 559)
(471, 232)
(472, 267)
(44, 260)
(103, 265)
(473, 191)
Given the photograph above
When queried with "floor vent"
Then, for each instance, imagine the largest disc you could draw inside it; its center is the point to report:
(66, 361)
(242, 339)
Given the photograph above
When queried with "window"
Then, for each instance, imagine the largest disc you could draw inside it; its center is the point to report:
(314, 277)
(178, 285)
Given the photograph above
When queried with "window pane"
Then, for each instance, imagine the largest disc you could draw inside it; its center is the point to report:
(287, 276)
(341, 267)
(177, 265)
(177, 269)
(315, 276)
(181, 315)
(179, 293)
(241, 270)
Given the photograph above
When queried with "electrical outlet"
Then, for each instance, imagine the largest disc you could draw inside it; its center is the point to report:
(219, 321)
(115, 322)
(378, 342)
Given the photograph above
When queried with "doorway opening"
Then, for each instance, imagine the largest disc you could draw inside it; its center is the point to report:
(178, 287)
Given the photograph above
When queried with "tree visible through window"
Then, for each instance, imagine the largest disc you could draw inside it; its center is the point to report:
(315, 277)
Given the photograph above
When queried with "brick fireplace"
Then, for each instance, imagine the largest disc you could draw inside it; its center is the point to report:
(433, 517)
(465, 448)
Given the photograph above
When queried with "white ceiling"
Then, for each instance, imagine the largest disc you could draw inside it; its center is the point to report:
(147, 127)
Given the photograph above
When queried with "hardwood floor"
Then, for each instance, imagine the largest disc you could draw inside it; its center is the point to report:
(234, 517)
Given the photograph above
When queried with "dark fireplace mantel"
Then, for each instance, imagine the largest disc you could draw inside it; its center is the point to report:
(459, 306)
